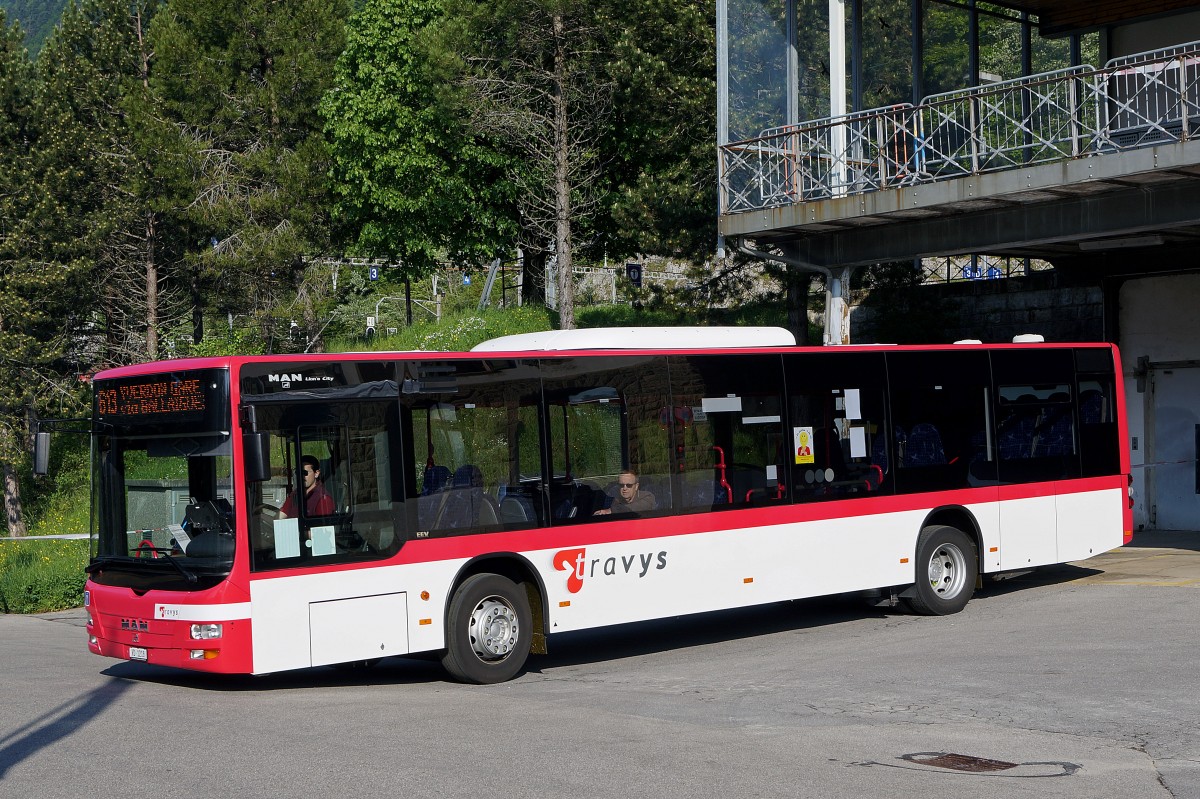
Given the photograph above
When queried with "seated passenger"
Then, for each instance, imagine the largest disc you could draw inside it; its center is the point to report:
(630, 499)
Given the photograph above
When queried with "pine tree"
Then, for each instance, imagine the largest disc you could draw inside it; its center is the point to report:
(240, 82)
(28, 283)
(660, 180)
(107, 162)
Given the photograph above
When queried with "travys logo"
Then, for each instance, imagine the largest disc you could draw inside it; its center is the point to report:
(580, 567)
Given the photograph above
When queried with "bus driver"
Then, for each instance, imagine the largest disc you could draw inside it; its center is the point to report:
(317, 501)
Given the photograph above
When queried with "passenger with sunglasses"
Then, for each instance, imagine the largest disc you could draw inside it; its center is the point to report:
(317, 501)
(630, 499)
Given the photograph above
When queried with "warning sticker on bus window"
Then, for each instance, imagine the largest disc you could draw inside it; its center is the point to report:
(803, 442)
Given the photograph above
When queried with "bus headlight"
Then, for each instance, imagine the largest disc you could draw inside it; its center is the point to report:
(204, 632)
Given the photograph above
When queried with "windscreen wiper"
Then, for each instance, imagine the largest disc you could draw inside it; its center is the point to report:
(166, 553)
(110, 560)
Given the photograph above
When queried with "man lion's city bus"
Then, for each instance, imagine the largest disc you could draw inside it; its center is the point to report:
(479, 501)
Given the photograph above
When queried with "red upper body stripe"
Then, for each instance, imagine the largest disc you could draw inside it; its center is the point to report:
(609, 532)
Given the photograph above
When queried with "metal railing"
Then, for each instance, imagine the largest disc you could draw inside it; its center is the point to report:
(1134, 101)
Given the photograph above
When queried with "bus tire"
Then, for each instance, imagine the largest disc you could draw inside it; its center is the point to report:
(947, 567)
(489, 630)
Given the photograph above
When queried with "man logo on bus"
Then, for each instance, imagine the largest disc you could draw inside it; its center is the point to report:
(576, 562)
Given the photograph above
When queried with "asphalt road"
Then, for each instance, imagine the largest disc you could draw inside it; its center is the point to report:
(1075, 681)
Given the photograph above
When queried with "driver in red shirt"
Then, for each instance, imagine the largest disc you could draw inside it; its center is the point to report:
(317, 501)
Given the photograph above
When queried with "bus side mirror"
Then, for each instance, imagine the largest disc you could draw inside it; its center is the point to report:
(256, 450)
(41, 454)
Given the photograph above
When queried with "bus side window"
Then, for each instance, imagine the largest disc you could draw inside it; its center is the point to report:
(730, 445)
(601, 419)
(837, 446)
(1099, 454)
(939, 409)
(1036, 429)
(1099, 450)
(358, 476)
(473, 457)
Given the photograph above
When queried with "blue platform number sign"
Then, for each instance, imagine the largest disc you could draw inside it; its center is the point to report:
(466, 279)
(373, 272)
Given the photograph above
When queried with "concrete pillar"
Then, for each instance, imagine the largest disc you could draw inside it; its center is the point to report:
(837, 310)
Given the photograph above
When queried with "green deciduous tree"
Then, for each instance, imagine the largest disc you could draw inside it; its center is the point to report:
(413, 181)
(595, 121)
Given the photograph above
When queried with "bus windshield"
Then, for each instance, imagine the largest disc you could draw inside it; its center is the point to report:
(162, 482)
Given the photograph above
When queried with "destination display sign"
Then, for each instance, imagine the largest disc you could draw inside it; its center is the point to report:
(162, 396)
(172, 397)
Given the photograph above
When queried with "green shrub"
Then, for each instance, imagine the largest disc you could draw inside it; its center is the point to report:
(42, 575)
(218, 341)
(627, 316)
(65, 511)
(454, 332)
(58, 501)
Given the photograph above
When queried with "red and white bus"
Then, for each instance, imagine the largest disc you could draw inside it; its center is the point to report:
(471, 504)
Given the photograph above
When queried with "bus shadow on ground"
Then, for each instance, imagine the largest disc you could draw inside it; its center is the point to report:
(598, 645)
(1014, 582)
(566, 649)
(389, 671)
(704, 629)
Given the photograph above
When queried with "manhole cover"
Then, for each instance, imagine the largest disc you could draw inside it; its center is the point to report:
(949, 762)
(959, 762)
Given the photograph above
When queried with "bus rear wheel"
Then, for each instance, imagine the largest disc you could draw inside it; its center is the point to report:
(947, 568)
(489, 629)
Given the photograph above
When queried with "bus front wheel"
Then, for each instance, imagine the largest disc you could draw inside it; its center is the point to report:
(947, 567)
(489, 629)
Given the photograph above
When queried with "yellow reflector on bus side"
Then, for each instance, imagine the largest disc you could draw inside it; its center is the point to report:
(425, 621)
(747, 580)
(566, 603)
(904, 560)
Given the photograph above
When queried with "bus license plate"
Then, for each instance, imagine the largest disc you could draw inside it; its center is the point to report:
(137, 653)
